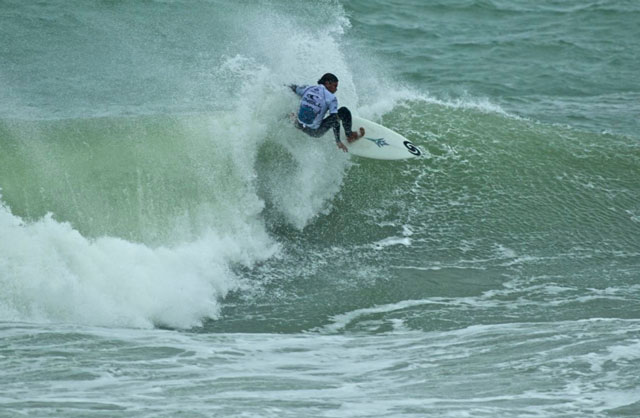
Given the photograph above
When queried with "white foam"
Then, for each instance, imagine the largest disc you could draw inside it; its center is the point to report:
(341, 321)
(391, 241)
(50, 272)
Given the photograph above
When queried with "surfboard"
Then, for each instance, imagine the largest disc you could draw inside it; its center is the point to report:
(379, 142)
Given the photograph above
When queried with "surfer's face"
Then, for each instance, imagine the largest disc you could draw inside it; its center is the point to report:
(332, 86)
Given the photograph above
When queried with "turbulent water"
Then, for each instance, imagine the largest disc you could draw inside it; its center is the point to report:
(171, 246)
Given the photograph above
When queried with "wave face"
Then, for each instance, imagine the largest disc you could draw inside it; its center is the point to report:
(138, 157)
(147, 170)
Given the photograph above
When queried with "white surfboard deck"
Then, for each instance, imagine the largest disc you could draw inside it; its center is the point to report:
(378, 142)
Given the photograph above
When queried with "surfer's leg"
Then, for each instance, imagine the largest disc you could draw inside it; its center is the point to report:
(311, 132)
(329, 122)
(345, 116)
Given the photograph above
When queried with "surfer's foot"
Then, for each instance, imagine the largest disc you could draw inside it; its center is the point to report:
(354, 136)
(294, 120)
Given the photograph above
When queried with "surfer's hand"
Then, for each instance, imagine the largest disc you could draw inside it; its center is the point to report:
(342, 147)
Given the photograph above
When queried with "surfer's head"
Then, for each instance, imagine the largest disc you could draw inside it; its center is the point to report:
(330, 81)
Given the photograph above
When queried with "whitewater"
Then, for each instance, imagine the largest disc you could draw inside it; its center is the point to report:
(171, 246)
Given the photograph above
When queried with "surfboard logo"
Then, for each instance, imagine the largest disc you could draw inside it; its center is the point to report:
(412, 148)
(380, 142)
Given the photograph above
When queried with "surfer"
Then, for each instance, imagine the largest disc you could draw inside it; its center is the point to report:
(315, 102)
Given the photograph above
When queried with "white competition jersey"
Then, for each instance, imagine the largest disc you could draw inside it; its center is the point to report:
(316, 100)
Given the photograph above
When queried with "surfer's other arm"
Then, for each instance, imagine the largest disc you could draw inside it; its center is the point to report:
(299, 90)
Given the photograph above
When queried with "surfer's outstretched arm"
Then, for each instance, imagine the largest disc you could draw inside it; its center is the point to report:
(299, 90)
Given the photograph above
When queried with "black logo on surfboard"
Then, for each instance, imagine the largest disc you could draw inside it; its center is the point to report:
(412, 148)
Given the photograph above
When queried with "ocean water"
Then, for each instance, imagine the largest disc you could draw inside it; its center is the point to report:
(171, 247)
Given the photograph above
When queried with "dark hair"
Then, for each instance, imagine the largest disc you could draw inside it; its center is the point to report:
(328, 78)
